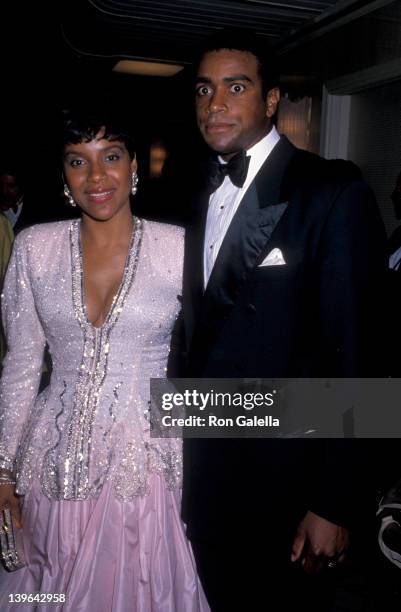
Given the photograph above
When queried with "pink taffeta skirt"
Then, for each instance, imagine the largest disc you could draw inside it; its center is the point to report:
(106, 555)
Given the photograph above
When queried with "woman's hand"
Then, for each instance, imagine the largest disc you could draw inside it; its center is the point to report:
(8, 499)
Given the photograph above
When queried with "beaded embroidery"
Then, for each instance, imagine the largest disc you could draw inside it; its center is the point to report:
(90, 425)
(93, 369)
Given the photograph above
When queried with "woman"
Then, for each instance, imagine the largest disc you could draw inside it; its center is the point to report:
(100, 511)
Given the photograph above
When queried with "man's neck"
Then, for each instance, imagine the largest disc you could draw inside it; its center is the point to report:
(227, 156)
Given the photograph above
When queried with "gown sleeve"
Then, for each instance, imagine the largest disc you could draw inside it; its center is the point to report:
(6, 240)
(22, 365)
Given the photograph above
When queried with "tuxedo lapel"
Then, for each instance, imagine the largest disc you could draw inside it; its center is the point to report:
(249, 232)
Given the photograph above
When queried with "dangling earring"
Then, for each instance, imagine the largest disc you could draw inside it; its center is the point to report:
(68, 195)
(134, 183)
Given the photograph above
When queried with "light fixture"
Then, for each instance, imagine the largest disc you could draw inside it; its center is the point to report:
(158, 155)
(147, 68)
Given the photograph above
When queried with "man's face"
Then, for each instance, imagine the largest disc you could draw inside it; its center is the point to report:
(231, 111)
(9, 191)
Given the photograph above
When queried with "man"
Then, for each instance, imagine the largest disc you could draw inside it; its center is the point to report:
(394, 262)
(11, 198)
(394, 242)
(279, 280)
(6, 241)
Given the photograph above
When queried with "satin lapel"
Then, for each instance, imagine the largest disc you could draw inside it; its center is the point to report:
(249, 232)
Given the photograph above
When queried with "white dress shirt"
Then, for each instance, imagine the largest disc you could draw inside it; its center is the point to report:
(223, 202)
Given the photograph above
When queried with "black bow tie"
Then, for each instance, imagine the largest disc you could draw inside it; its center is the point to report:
(236, 168)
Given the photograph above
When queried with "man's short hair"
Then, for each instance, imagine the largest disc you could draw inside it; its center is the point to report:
(240, 39)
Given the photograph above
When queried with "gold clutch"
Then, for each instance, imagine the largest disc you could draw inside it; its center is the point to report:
(12, 552)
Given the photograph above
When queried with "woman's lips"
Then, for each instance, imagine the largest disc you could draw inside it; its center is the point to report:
(100, 196)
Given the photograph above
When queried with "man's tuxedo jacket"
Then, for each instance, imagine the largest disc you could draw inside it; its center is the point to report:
(314, 316)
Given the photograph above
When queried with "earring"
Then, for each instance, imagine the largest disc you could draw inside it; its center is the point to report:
(134, 183)
(68, 195)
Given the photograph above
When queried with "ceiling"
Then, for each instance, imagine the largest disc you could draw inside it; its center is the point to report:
(62, 53)
(170, 30)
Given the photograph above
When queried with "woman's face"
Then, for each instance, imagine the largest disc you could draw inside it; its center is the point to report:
(99, 175)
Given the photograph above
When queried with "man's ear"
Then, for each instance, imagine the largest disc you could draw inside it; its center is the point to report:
(272, 100)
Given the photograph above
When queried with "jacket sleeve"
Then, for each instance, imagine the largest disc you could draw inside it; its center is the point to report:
(6, 240)
(23, 362)
(351, 280)
(352, 273)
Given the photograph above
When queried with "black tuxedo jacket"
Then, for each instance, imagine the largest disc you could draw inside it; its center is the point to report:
(314, 316)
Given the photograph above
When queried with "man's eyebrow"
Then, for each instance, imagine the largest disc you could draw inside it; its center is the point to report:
(237, 77)
(202, 79)
(228, 79)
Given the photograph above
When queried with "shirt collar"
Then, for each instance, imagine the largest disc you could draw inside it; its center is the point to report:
(263, 147)
(259, 151)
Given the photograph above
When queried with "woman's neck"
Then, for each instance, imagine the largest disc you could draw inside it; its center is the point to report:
(105, 234)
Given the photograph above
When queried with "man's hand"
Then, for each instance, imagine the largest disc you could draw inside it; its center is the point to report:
(317, 542)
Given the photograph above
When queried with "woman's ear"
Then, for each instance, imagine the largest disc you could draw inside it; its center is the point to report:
(134, 165)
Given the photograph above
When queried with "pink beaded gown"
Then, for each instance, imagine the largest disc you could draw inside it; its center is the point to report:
(101, 497)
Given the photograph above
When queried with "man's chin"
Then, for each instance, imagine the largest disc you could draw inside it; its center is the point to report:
(219, 144)
(222, 148)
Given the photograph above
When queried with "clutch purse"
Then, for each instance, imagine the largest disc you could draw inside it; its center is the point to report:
(12, 552)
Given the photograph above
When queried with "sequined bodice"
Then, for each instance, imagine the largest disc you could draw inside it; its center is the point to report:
(90, 424)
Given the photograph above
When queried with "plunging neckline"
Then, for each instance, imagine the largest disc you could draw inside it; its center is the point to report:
(130, 265)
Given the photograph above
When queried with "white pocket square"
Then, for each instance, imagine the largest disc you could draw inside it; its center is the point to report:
(274, 258)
